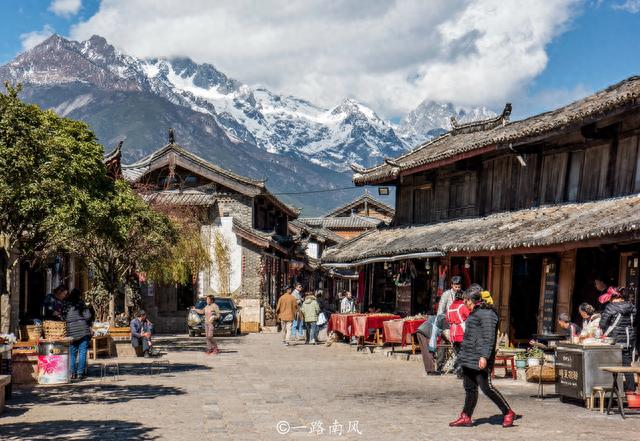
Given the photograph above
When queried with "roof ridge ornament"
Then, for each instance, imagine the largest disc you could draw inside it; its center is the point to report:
(479, 126)
(172, 136)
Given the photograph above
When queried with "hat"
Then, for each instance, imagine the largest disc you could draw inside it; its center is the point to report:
(611, 292)
(486, 296)
(456, 280)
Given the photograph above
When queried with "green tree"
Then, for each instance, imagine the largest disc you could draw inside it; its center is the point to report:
(125, 235)
(51, 172)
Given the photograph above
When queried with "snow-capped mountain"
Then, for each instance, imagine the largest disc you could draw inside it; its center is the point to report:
(432, 119)
(298, 145)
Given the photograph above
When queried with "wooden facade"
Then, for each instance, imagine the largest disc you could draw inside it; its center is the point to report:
(534, 208)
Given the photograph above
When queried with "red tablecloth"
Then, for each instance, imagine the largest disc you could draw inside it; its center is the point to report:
(342, 323)
(362, 323)
(396, 331)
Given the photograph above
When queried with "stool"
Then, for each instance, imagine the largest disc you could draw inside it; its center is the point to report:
(601, 392)
(158, 365)
(104, 370)
(507, 359)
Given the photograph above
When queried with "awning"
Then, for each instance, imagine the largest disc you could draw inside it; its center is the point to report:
(565, 225)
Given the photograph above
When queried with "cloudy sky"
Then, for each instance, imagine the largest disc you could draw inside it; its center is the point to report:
(389, 54)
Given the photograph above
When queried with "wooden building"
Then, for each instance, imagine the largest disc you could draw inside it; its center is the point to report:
(354, 218)
(240, 212)
(534, 210)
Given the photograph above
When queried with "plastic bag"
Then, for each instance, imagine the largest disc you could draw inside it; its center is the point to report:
(194, 319)
(322, 319)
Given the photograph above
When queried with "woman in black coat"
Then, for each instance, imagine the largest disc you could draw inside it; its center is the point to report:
(476, 358)
(618, 321)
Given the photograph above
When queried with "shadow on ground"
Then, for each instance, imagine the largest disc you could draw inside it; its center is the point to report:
(146, 367)
(192, 344)
(90, 394)
(76, 430)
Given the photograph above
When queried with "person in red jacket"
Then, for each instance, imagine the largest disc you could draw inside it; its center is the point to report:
(456, 316)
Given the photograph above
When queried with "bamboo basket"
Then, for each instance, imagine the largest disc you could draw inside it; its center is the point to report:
(30, 332)
(548, 374)
(54, 329)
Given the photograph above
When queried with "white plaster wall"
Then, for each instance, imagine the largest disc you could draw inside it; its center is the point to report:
(225, 226)
(312, 250)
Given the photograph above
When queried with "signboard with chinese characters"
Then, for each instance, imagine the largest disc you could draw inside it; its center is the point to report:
(569, 373)
(549, 296)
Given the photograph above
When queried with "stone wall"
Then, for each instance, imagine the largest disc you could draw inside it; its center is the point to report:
(250, 296)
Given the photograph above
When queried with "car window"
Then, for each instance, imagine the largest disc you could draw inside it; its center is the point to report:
(224, 303)
(200, 304)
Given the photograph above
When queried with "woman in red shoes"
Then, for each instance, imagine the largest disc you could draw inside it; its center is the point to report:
(476, 358)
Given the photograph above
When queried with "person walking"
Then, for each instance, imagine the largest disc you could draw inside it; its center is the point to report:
(286, 311)
(618, 321)
(298, 321)
(477, 355)
(211, 316)
(310, 310)
(78, 318)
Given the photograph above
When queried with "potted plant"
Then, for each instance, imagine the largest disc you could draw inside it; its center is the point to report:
(534, 356)
(521, 360)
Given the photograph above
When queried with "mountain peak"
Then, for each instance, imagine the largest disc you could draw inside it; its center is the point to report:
(432, 118)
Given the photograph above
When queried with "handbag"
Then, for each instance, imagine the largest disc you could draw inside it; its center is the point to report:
(322, 319)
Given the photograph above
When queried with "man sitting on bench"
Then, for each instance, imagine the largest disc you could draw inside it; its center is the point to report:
(141, 329)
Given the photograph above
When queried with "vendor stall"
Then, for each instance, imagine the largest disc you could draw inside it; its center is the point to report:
(578, 367)
(403, 331)
(363, 324)
(342, 324)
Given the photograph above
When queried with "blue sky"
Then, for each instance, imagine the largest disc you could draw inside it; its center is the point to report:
(592, 45)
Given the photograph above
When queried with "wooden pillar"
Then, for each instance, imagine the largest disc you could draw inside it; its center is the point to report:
(566, 282)
(500, 288)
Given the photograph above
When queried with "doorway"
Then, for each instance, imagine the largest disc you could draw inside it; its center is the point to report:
(524, 300)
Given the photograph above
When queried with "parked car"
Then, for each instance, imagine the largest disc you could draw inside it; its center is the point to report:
(229, 320)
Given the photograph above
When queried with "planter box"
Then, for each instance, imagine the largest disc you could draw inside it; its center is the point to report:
(246, 327)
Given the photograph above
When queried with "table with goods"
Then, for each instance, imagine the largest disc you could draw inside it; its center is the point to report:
(403, 331)
(363, 324)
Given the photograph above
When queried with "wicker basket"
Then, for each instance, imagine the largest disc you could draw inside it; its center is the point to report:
(30, 332)
(548, 374)
(54, 329)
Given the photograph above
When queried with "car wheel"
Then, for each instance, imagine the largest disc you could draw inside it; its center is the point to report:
(192, 333)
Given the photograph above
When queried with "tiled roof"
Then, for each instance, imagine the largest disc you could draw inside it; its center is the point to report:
(366, 197)
(458, 143)
(346, 222)
(544, 226)
(180, 198)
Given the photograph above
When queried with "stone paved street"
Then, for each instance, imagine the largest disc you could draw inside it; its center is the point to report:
(257, 382)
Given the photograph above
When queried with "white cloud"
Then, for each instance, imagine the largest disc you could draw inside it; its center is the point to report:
(34, 38)
(65, 8)
(632, 6)
(389, 54)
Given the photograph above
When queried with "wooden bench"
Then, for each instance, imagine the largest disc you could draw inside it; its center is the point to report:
(121, 341)
(100, 345)
(5, 380)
